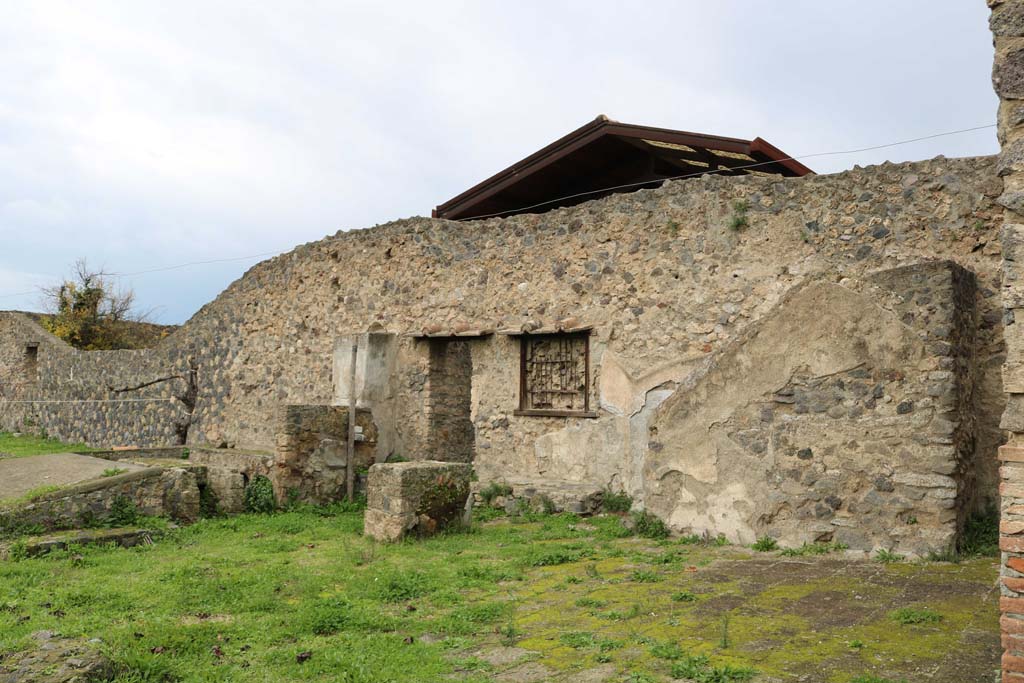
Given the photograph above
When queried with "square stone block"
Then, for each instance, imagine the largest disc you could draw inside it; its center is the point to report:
(422, 496)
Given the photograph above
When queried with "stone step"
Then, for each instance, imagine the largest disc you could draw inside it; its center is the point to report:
(33, 546)
(52, 658)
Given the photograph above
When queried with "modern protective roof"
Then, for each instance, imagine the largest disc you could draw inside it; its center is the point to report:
(601, 157)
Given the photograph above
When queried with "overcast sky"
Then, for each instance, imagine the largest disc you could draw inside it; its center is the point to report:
(142, 134)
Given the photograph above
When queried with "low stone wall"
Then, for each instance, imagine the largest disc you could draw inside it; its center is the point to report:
(414, 497)
(153, 491)
(51, 658)
(540, 495)
(229, 471)
(312, 444)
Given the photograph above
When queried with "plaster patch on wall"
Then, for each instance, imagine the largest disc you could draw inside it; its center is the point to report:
(623, 394)
(589, 451)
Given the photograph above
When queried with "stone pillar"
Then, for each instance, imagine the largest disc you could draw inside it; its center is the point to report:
(1007, 23)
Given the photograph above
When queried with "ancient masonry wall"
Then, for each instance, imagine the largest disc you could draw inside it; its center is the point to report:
(667, 286)
(312, 451)
(448, 402)
(101, 398)
(1007, 23)
(844, 415)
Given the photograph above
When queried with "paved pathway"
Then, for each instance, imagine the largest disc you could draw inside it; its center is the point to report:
(18, 476)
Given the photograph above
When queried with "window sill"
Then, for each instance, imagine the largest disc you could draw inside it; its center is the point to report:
(555, 413)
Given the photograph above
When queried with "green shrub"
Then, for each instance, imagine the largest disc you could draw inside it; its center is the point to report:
(765, 544)
(208, 504)
(684, 596)
(697, 668)
(640, 677)
(649, 526)
(495, 489)
(399, 586)
(887, 556)
(946, 555)
(591, 603)
(739, 219)
(578, 640)
(113, 471)
(547, 506)
(17, 550)
(259, 495)
(646, 576)
(616, 501)
(668, 650)
(582, 640)
(556, 556)
(122, 512)
(911, 615)
(813, 549)
(980, 537)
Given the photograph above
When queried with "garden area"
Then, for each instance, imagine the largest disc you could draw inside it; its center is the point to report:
(301, 595)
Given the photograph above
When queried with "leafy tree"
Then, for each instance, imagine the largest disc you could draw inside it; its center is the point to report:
(89, 312)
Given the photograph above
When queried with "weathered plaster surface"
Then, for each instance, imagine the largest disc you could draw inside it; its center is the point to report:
(800, 425)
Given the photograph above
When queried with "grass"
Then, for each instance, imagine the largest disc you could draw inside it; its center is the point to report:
(765, 544)
(616, 501)
(912, 616)
(266, 588)
(113, 471)
(813, 549)
(29, 496)
(24, 445)
(981, 535)
(887, 556)
(739, 220)
(494, 490)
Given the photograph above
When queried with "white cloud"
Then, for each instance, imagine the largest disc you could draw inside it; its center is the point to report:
(145, 134)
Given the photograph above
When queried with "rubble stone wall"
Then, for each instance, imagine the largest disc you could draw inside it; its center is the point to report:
(666, 284)
(103, 398)
(312, 451)
(448, 402)
(844, 415)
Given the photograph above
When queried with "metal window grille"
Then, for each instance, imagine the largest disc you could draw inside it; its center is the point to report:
(555, 374)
